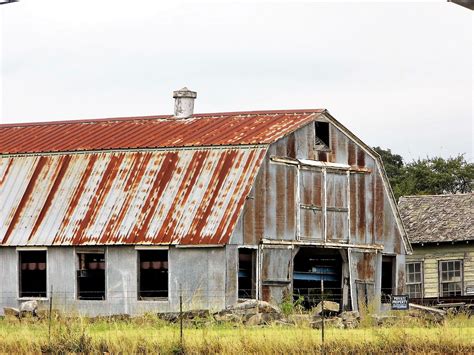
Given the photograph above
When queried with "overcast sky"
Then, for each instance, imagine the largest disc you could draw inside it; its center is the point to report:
(398, 74)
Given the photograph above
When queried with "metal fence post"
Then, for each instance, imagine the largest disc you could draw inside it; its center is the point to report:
(50, 314)
(322, 314)
(181, 317)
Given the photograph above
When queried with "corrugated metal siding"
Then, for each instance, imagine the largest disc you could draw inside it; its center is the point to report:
(151, 132)
(358, 206)
(176, 196)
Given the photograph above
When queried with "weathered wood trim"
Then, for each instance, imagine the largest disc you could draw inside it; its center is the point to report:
(322, 244)
(298, 201)
(316, 164)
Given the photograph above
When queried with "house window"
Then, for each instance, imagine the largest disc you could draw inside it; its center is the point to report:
(153, 274)
(32, 273)
(415, 279)
(247, 273)
(91, 276)
(321, 130)
(450, 278)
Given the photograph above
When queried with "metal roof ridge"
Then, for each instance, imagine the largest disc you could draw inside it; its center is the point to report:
(162, 117)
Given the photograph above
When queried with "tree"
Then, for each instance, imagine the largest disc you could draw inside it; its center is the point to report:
(429, 176)
(394, 167)
(433, 176)
(393, 163)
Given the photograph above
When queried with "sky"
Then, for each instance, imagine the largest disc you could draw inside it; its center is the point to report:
(398, 74)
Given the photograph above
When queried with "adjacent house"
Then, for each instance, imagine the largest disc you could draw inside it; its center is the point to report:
(441, 231)
(129, 215)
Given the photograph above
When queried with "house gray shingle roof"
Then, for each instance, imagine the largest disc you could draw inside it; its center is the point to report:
(438, 218)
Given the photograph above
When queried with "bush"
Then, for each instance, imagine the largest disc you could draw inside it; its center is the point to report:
(290, 306)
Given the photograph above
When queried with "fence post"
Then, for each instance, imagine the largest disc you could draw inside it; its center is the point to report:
(50, 311)
(181, 317)
(322, 314)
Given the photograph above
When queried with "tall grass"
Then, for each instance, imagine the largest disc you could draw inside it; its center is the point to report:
(148, 334)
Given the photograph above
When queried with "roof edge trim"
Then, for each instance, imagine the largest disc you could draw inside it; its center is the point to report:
(162, 117)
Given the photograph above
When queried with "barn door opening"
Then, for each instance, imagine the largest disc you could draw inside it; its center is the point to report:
(311, 265)
(388, 277)
(247, 273)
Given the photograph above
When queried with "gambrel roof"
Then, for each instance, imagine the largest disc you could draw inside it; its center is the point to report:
(146, 180)
(217, 129)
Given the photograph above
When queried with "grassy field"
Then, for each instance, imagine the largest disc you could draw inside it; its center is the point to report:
(149, 334)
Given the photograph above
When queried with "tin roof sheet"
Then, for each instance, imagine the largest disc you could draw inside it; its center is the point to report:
(176, 196)
(238, 128)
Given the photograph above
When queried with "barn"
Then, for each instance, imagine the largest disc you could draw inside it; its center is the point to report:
(130, 215)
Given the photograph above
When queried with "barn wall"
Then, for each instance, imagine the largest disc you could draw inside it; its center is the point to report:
(270, 210)
(8, 277)
(232, 270)
(359, 211)
(201, 274)
(195, 273)
(431, 255)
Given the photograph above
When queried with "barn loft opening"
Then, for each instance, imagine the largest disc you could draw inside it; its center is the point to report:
(321, 130)
(247, 273)
(311, 265)
(91, 276)
(153, 274)
(32, 273)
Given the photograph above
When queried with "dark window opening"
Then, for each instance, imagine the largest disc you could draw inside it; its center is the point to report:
(388, 270)
(311, 265)
(91, 276)
(321, 130)
(247, 273)
(153, 274)
(32, 273)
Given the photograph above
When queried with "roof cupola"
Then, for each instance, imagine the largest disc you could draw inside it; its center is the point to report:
(184, 102)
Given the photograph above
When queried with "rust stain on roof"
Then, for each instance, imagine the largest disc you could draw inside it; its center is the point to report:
(191, 196)
(102, 187)
(238, 128)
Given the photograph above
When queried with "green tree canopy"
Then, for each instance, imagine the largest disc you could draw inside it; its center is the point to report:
(428, 176)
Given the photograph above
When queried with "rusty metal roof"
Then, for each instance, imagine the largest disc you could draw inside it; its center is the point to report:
(236, 128)
(178, 196)
(142, 180)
